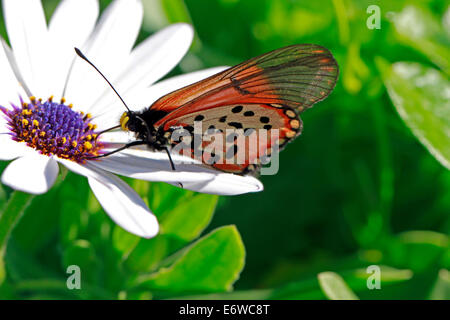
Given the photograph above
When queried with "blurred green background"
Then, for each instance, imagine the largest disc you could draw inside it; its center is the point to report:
(358, 188)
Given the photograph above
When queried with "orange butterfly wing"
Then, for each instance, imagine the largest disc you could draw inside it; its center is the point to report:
(297, 76)
(272, 88)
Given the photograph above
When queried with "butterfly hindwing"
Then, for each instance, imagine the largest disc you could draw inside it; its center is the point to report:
(235, 137)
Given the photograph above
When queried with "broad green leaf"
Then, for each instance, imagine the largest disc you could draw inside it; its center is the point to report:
(164, 197)
(176, 11)
(148, 253)
(182, 215)
(124, 241)
(160, 13)
(335, 287)
(422, 98)
(73, 219)
(421, 250)
(441, 289)
(211, 264)
(190, 217)
(418, 28)
(9, 217)
(21, 265)
(82, 254)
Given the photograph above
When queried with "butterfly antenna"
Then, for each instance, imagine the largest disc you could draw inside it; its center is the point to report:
(106, 130)
(82, 56)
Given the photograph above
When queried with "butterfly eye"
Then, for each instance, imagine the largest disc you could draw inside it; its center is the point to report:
(124, 121)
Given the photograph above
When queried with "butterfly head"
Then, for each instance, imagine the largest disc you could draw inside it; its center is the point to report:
(133, 122)
(124, 119)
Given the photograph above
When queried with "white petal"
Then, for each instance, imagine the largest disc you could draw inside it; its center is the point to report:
(156, 56)
(109, 45)
(226, 185)
(117, 137)
(82, 170)
(152, 59)
(70, 26)
(10, 88)
(120, 202)
(153, 166)
(3, 123)
(33, 173)
(27, 32)
(10, 149)
(124, 206)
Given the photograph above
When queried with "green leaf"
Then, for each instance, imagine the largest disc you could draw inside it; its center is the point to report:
(160, 13)
(182, 215)
(190, 217)
(82, 254)
(419, 250)
(123, 241)
(148, 253)
(418, 28)
(441, 289)
(211, 264)
(335, 287)
(421, 96)
(176, 11)
(10, 216)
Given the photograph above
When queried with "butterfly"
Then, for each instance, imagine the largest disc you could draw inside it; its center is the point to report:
(267, 92)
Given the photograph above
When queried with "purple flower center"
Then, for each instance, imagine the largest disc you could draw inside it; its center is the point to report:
(54, 129)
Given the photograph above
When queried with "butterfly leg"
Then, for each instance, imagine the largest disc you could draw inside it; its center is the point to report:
(172, 165)
(128, 145)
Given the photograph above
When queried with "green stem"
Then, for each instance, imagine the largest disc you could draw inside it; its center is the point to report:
(10, 216)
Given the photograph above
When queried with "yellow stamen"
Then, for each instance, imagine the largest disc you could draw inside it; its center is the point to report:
(25, 122)
(35, 123)
(88, 145)
(74, 144)
(42, 134)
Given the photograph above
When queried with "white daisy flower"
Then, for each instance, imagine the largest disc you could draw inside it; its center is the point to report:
(39, 133)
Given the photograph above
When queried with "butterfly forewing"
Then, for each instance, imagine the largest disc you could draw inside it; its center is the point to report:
(297, 76)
